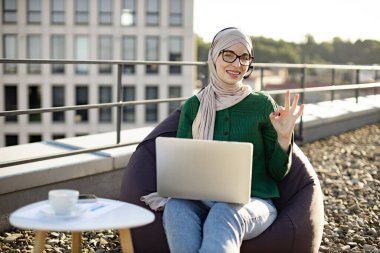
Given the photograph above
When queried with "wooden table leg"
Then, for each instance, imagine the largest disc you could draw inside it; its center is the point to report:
(76, 242)
(39, 244)
(126, 240)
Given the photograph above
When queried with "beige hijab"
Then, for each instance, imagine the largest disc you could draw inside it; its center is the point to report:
(219, 95)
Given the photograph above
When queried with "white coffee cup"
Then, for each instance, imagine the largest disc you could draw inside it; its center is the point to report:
(63, 201)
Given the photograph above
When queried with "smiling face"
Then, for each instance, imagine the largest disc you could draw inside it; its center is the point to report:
(232, 73)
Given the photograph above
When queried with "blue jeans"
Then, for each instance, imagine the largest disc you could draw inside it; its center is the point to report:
(197, 226)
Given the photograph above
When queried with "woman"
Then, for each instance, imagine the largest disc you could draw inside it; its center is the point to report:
(228, 110)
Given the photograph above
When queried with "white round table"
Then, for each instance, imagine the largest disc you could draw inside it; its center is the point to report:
(103, 215)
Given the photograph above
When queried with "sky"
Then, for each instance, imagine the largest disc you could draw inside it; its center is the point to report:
(290, 20)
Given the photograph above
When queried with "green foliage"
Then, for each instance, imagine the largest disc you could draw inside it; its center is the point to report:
(364, 52)
(202, 49)
(269, 50)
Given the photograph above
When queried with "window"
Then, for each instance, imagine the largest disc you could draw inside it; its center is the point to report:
(34, 11)
(151, 110)
(128, 13)
(10, 52)
(11, 140)
(57, 11)
(35, 138)
(175, 15)
(81, 98)
(175, 54)
(58, 99)
(9, 11)
(105, 12)
(34, 102)
(34, 52)
(82, 52)
(105, 96)
(105, 53)
(58, 136)
(175, 91)
(81, 12)
(152, 53)
(10, 101)
(129, 112)
(152, 12)
(129, 53)
(58, 52)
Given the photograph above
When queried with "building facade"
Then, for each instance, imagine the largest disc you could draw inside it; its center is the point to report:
(152, 30)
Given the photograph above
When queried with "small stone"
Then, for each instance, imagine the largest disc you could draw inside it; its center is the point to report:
(57, 250)
(103, 241)
(372, 231)
(360, 239)
(323, 248)
(93, 242)
(345, 247)
(5, 248)
(52, 241)
(54, 234)
(12, 237)
(367, 247)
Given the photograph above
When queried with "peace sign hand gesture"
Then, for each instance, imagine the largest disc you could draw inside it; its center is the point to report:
(284, 120)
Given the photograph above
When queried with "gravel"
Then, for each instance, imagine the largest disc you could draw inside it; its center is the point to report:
(347, 166)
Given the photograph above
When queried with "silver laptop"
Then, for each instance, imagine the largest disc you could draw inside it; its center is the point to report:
(204, 169)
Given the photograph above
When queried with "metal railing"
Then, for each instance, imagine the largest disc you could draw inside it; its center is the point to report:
(119, 104)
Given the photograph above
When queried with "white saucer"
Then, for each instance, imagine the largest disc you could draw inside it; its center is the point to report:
(48, 211)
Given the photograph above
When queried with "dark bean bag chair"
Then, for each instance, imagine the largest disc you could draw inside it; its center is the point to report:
(298, 227)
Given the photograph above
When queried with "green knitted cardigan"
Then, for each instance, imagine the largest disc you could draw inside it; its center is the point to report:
(247, 121)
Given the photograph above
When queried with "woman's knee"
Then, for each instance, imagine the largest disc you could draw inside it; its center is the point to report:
(181, 209)
(173, 207)
(174, 204)
(225, 211)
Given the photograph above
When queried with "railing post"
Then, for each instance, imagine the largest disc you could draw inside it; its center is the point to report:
(332, 84)
(302, 99)
(261, 78)
(357, 82)
(376, 80)
(119, 99)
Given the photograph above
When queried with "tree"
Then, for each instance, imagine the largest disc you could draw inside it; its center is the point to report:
(269, 50)
(337, 51)
(202, 54)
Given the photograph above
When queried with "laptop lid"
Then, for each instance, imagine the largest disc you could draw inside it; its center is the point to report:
(204, 169)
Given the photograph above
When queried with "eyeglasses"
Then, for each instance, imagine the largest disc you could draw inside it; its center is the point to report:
(230, 56)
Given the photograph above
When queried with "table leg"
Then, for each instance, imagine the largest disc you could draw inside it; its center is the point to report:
(126, 240)
(76, 242)
(39, 244)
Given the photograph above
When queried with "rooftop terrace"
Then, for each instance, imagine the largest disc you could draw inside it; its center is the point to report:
(90, 163)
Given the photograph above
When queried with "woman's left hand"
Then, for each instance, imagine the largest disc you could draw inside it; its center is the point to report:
(284, 120)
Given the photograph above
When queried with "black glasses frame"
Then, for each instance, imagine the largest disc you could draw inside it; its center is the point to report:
(236, 56)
